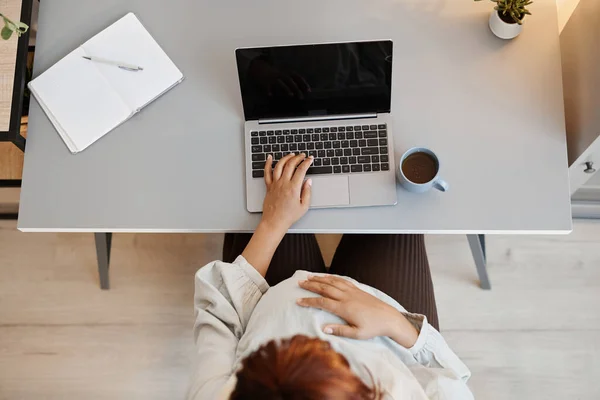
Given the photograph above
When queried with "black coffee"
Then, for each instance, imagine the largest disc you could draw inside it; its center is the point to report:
(420, 167)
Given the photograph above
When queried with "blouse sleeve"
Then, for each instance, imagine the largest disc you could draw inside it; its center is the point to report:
(224, 299)
(445, 375)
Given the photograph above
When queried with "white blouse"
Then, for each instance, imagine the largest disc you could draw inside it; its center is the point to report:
(237, 312)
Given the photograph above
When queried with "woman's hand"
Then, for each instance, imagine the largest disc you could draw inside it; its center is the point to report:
(366, 315)
(286, 201)
(288, 195)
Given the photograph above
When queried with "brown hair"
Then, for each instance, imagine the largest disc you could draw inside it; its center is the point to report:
(300, 368)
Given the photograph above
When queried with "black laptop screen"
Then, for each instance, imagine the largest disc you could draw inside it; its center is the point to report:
(315, 80)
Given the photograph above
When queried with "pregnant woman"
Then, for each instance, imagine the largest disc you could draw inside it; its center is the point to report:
(273, 323)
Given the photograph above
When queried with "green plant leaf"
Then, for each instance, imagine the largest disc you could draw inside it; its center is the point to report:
(21, 28)
(9, 27)
(6, 33)
(516, 9)
(515, 17)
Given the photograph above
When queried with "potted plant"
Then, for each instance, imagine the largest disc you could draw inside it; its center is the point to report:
(9, 27)
(506, 20)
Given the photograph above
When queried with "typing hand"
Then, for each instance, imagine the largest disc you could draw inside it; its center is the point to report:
(287, 200)
(366, 315)
(288, 195)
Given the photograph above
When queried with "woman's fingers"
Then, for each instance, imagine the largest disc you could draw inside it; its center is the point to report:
(300, 173)
(322, 303)
(280, 165)
(306, 193)
(336, 281)
(324, 289)
(291, 165)
(269, 171)
(342, 330)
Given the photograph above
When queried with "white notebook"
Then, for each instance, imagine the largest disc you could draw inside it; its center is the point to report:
(85, 99)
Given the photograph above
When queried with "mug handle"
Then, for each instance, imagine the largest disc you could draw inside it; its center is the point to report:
(441, 185)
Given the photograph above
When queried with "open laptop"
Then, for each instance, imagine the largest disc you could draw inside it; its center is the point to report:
(331, 101)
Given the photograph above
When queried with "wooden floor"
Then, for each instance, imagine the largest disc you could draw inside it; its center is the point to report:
(536, 335)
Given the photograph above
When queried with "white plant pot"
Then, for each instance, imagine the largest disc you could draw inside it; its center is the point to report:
(502, 29)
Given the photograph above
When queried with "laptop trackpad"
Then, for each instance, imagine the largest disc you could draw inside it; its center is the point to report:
(330, 191)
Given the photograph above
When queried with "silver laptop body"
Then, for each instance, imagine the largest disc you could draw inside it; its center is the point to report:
(354, 152)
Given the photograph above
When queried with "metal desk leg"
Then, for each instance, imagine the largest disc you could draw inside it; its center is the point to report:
(103, 245)
(477, 244)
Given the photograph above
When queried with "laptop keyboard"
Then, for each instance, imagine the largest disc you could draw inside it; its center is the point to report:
(337, 150)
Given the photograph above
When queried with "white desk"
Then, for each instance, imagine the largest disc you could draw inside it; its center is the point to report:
(491, 109)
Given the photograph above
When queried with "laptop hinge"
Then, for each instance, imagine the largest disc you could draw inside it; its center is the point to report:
(316, 118)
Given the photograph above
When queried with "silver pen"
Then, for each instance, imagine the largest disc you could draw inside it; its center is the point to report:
(125, 66)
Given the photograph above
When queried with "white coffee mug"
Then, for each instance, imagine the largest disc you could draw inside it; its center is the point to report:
(436, 182)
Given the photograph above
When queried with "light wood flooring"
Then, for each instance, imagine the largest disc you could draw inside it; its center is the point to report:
(536, 335)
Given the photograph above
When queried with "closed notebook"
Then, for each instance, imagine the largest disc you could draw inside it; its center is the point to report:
(85, 100)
